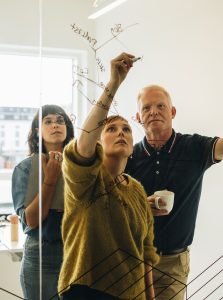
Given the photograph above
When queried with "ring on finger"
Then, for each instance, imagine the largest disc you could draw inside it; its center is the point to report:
(58, 157)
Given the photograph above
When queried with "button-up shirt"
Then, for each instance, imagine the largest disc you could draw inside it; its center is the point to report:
(51, 226)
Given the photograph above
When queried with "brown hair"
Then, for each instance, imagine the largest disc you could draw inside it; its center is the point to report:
(112, 118)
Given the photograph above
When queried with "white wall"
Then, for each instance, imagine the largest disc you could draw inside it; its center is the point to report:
(182, 47)
(20, 22)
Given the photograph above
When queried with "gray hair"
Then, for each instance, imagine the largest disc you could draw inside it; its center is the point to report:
(155, 87)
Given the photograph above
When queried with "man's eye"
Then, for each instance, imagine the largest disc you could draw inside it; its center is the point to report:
(146, 108)
(161, 106)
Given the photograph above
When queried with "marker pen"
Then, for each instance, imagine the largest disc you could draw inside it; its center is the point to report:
(132, 59)
(136, 58)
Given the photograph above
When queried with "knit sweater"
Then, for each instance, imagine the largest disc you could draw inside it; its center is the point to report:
(107, 229)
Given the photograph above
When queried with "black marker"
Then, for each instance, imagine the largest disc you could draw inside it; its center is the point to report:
(136, 58)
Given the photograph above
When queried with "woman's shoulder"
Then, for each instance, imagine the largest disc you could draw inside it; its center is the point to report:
(24, 165)
(135, 185)
(134, 182)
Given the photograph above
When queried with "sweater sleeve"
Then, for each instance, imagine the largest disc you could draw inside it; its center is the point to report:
(150, 254)
(80, 174)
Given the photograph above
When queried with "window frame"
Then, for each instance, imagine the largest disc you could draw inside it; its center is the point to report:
(79, 107)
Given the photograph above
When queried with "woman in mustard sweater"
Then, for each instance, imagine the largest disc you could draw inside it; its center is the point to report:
(107, 227)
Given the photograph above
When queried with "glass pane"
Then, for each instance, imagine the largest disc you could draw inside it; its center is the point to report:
(16, 116)
(19, 100)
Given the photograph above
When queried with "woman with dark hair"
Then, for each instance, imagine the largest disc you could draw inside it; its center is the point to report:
(57, 131)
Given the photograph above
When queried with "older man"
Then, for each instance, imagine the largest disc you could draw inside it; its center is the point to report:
(168, 160)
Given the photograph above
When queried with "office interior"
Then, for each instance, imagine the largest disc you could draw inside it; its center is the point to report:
(181, 48)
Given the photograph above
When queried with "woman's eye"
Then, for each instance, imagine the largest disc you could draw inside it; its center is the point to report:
(126, 129)
(47, 122)
(61, 121)
(111, 129)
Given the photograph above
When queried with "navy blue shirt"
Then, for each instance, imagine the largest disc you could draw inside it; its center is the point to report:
(51, 226)
(178, 166)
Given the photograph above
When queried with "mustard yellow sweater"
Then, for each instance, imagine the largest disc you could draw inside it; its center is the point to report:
(107, 229)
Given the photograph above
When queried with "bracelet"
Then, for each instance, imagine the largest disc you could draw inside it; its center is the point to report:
(48, 184)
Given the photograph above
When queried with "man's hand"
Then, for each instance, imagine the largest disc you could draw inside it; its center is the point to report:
(157, 212)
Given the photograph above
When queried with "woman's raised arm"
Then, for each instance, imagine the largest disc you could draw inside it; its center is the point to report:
(93, 124)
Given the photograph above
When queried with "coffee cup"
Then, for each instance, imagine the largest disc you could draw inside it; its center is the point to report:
(167, 197)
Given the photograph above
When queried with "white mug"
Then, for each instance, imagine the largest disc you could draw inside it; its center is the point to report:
(167, 197)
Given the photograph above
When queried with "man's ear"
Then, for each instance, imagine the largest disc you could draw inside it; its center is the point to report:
(138, 118)
(173, 111)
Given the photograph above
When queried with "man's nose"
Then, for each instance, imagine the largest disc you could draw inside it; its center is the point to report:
(153, 110)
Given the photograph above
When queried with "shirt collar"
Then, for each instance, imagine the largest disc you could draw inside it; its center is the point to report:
(166, 148)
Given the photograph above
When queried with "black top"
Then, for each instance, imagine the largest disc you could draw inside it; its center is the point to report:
(178, 166)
